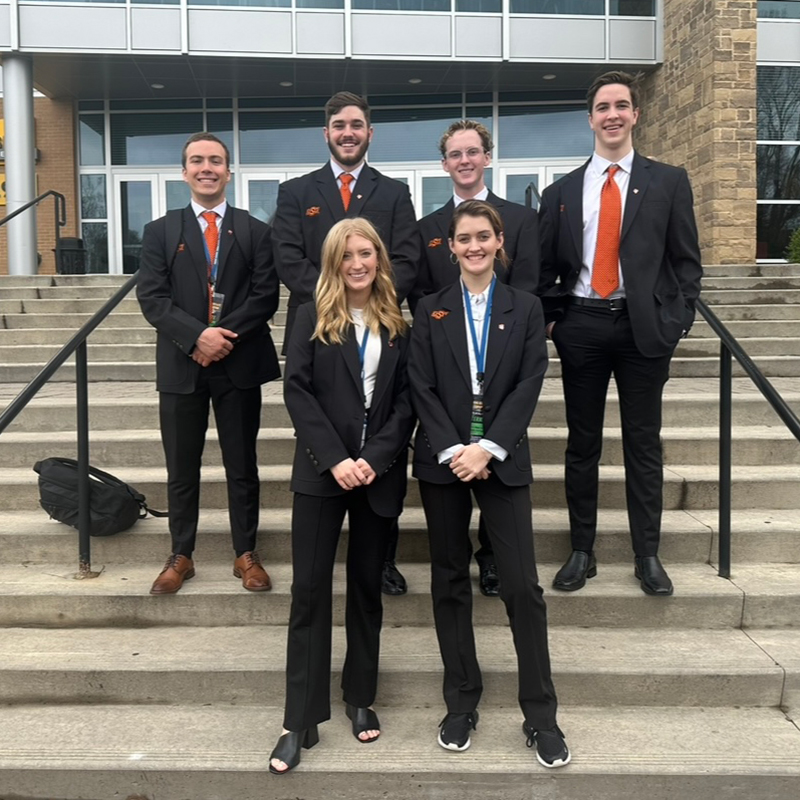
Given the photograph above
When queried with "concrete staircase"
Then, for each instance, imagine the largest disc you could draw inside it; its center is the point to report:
(107, 692)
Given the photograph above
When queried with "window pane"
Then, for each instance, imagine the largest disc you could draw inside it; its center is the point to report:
(158, 2)
(220, 123)
(178, 194)
(282, 137)
(92, 136)
(776, 224)
(633, 8)
(263, 198)
(778, 171)
(516, 186)
(151, 139)
(782, 9)
(544, 132)
(260, 3)
(93, 196)
(778, 100)
(409, 134)
(403, 5)
(95, 242)
(595, 7)
(437, 191)
(485, 6)
(319, 4)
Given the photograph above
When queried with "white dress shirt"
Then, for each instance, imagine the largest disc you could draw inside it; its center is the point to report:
(338, 170)
(593, 180)
(219, 211)
(372, 355)
(478, 302)
(482, 195)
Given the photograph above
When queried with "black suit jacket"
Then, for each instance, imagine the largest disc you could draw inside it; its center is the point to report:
(324, 396)
(173, 294)
(309, 206)
(441, 386)
(659, 253)
(521, 243)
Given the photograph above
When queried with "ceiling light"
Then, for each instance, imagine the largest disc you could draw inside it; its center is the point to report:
(286, 84)
(156, 85)
(415, 80)
(549, 77)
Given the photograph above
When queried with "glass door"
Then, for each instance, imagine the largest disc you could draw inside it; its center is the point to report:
(260, 193)
(136, 204)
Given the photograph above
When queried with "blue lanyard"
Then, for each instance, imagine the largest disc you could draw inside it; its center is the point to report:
(212, 265)
(362, 351)
(480, 352)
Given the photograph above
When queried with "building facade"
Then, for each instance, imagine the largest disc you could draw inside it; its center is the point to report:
(131, 80)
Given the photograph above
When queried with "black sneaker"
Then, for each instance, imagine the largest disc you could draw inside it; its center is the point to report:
(551, 749)
(454, 731)
(392, 580)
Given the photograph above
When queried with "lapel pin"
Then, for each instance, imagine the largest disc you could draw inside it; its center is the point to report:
(358, 197)
(502, 326)
(437, 242)
(561, 208)
(181, 247)
(441, 314)
(636, 191)
(230, 232)
(391, 342)
(313, 211)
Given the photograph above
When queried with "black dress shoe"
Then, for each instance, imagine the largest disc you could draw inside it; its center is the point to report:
(392, 581)
(652, 576)
(288, 748)
(572, 576)
(489, 581)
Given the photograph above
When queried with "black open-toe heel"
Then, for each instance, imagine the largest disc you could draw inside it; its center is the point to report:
(363, 719)
(288, 748)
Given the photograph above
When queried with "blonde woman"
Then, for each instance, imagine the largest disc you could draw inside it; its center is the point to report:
(346, 389)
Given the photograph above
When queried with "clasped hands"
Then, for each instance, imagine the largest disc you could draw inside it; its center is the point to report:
(213, 344)
(351, 474)
(471, 463)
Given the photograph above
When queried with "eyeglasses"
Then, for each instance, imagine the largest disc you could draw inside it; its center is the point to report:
(457, 155)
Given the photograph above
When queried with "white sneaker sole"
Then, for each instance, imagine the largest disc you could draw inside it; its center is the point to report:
(452, 745)
(562, 762)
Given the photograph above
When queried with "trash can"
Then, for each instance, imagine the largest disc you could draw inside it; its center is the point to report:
(70, 256)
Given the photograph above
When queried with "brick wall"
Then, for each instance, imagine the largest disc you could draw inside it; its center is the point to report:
(55, 139)
(699, 112)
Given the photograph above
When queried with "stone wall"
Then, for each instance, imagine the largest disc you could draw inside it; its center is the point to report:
(56, 169)
(699, 111)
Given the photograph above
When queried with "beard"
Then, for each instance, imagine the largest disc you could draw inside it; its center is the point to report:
(349, 160)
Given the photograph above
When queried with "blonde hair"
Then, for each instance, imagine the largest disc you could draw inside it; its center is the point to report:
(333, 313)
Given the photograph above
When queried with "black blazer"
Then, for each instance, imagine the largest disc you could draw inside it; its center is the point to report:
(441, 386)
(521, 243)
(173, 294)
(324, 396)
(659, 253)
(309, 206)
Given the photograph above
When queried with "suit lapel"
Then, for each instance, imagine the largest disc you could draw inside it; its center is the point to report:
(501, 323)
(329, 190)
(637, 188)
(193, 237)
(386, 367)
(226, 238)
(443, 217)
(349, 351)
(454, 325)
(364, 187)
(572, 195)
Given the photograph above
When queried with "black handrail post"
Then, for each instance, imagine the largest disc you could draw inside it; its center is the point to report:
(725, 423)
(84, 489)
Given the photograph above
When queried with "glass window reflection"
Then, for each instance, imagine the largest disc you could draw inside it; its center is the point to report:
(93, 196)
(92, 140)
(544, 132)
(774, 227)
(151, 139)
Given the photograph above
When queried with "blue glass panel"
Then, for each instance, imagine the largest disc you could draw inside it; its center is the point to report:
(593, 7)
(92, 140)
(90, 105)
(403, 5)
(779, 9)
(516, 186)
(154, 104)
(544, 132)
(151, 139)
(282, 137)
(633, 8)
(482, 6)
(410, 134)
(93, 196)
(256, 3)
(319, 3)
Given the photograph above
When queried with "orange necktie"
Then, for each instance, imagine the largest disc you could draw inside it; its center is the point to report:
(346, 178)
(211, 234)
(605, 271)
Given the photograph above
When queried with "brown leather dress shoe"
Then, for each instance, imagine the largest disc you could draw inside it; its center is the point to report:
(177, 570)
(254, 576)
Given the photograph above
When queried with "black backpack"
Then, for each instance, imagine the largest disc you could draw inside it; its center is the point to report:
(114, 506)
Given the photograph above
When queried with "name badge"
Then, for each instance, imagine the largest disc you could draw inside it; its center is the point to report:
(476, 422)
(217, 300)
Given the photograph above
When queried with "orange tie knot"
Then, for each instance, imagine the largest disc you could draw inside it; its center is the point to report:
(346, 178)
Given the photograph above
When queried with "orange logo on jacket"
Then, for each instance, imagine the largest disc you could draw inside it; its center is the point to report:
(313, 211)
(441, 314)
(181, 247)
(437, 242)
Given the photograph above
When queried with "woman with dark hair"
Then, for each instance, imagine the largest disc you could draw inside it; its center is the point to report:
(477, 362)
(346, 389)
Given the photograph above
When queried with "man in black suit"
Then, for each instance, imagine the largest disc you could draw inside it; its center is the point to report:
(207, 284)
(309, 206)
(466, 148)
(620, 276)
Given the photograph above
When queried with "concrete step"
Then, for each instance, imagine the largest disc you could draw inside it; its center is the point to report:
(751, 270)
(63, 306)
(62, 280)
(30, 537)
(58, 337)
(714, 283)
(222, 752)
(752, 296)
(46, 595)
(246, 666)
(688, 487)
(708, 366)
(755, 346)
(116, 319)
(118, 352)
(142, 448)
(98, 291)
(98, 371)
(745, 329)
(686, 401)
(731, 309)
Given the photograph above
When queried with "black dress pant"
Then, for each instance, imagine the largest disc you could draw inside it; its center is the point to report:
(507, 512)
(594, 343)
(316, 525)
(484, 555)
(184, 422)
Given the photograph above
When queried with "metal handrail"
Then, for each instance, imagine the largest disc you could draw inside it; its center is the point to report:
(60, 209)
(76, 345)
(729, 346)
